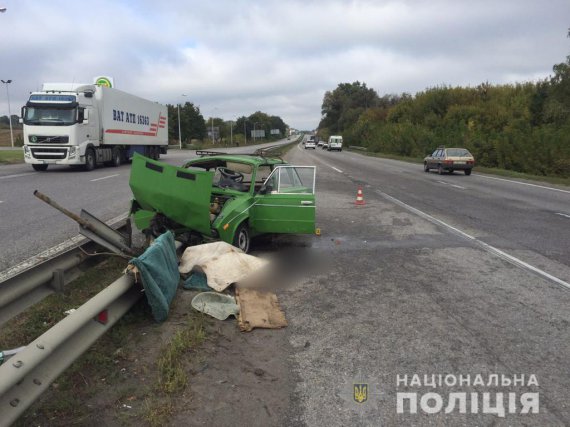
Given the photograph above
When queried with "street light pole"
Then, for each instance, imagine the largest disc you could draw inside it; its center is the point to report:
(245, 132)
(179, 130)
(231, 132)
(213, 141)
(7, 82)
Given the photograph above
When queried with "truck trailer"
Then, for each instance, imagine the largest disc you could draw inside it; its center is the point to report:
(86, 124)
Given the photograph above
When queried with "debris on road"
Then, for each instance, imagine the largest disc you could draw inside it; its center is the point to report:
(222, 263)
(259, 310)
(197, 282)
(217, 305)
(158, 268)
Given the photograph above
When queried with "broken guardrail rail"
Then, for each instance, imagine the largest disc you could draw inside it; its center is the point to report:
(26, 372)
(31, 281)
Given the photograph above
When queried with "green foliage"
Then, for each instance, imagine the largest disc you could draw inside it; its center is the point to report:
(260, 120)
(522, 127)
(192, 125)
(342, 107)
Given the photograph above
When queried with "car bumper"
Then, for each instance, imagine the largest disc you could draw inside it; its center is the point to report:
(458, 167)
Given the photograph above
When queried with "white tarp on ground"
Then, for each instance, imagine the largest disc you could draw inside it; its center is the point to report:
(222, 263)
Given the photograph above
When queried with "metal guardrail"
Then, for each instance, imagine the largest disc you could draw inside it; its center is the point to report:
(31, 281)
(27, 374)
(29, 370)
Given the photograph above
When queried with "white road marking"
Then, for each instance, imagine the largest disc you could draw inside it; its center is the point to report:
(18, 175)
(524, 183)
(324, 163)
(53, 251)
(501, 254)
(105, 177)
(453, 185)
(557, 213)
(1, 201)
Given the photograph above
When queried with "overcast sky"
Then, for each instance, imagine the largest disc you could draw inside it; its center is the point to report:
(234, 57)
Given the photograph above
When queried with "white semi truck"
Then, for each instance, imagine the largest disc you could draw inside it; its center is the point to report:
(85, 124)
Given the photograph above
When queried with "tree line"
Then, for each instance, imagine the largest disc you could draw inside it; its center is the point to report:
(5, 122)
(194, 126)
(523, 127)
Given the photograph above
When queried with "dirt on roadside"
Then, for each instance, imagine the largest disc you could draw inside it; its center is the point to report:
(234, 378)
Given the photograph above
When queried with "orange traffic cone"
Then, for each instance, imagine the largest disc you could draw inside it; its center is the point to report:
(359, 197)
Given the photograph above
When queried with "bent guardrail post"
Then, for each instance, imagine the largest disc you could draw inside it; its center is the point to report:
(26, 375)
(92, 228)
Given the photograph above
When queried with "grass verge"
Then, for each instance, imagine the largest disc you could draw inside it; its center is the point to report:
(172, 369)
(478, 169)
(64, 402)
(172, 376)
(11, 156)
(136, 373)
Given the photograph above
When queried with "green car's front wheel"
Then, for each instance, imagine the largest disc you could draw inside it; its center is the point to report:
(242, 238)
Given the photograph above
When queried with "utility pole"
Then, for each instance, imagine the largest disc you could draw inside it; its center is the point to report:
(7, 82)
(179, 130)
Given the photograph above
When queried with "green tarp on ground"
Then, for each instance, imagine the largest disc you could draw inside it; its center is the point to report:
(158, 267)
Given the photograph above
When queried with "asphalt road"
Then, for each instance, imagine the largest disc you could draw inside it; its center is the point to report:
(449, 276)
(28, 226)
(403, 293)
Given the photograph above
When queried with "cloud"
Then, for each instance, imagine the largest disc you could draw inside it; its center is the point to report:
(236, 57)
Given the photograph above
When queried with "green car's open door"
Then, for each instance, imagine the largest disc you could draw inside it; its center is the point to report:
(286, 202)
(183, 195)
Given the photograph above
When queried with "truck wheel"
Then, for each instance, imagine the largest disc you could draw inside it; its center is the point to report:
(241, 238)
(116, 157)
(40, 168)
(156, 153)
(467, 171)
(90, 161)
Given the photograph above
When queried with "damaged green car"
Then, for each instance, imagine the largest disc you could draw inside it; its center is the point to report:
(231, 197)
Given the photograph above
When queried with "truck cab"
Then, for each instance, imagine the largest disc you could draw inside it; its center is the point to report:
(59, 126)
